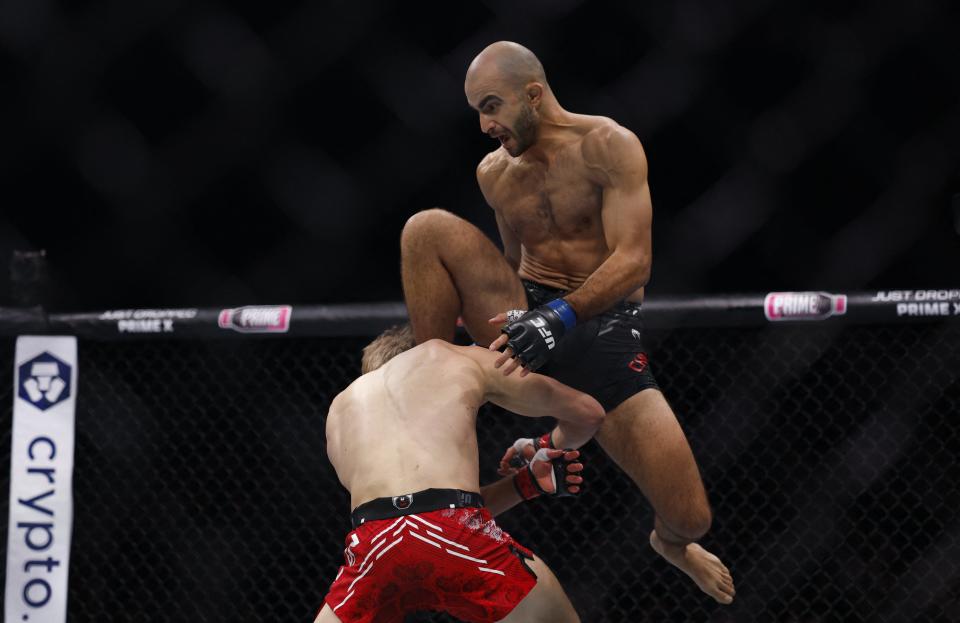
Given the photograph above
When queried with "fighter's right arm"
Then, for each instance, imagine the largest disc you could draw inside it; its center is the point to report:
(486, 177)
(578, 415)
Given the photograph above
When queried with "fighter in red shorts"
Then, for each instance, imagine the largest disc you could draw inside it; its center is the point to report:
(403, 440)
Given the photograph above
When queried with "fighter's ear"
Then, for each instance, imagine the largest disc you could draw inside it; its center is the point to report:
(534, 93)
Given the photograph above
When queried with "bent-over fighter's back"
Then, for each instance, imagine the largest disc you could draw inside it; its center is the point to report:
(412, 423)
(403, 442)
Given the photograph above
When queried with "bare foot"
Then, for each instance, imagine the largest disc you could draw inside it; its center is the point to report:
(711, 575)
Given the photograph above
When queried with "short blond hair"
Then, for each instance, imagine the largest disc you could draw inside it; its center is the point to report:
(389, 344)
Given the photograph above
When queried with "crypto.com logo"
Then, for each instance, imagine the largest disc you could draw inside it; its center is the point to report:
(43, 381)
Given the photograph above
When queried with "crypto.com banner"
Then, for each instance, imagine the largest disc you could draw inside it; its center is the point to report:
(41, 472)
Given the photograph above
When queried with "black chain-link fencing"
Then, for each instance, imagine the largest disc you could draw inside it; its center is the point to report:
(830, 453)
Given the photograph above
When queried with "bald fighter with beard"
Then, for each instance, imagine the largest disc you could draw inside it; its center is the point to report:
(572, 205)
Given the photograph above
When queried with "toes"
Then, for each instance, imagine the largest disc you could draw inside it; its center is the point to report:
(724, 595)
(728, 591)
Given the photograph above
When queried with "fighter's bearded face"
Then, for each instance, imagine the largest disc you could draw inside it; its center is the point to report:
(507, 117)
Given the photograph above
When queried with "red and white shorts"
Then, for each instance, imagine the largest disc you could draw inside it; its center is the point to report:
(452, 560)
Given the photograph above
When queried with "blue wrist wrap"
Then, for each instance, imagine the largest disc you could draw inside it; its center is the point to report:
(565, 312)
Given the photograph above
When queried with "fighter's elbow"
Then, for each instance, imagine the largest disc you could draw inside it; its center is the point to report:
(639, 273)
(643, 273)
(591, 412)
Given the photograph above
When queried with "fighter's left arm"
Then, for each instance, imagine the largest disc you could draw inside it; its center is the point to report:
(500, 496)
(554, 473)
(617, 160)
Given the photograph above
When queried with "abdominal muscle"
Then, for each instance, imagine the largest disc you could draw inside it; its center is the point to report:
(565, 266)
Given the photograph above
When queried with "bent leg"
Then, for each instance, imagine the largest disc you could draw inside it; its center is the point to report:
(643, 437)
(450, 268)
(546, 603)
(326, 615)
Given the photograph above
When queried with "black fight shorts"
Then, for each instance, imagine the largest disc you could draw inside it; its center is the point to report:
(604, 356)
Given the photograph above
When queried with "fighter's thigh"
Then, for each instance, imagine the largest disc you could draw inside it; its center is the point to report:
(326, 615)
(486, 283)
(546, 602)
(644, 437)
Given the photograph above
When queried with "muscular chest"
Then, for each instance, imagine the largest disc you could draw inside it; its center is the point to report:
(539, 201)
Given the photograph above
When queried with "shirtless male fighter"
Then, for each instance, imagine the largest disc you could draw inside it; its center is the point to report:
(573, 208)
(403, 441)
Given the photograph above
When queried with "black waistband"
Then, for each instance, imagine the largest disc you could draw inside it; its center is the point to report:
(412, 503)
(549, 292)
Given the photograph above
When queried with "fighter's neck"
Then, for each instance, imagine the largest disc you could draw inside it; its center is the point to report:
(555, 129)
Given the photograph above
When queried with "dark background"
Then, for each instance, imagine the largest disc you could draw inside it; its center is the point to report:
(197, 153)
(200, 153)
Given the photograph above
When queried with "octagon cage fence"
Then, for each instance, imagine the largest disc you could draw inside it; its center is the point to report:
(826, 427)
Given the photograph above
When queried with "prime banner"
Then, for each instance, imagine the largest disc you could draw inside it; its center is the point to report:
(659, 311)
(41, 470)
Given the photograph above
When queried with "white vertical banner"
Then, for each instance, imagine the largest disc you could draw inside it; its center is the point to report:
(41, 479)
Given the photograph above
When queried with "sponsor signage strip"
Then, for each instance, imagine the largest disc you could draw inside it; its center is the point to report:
(41, 476)
(888, 306)
(147, 320)
(781, 306)
(256, 319)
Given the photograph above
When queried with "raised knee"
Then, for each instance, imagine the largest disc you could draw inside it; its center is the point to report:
(425, 224)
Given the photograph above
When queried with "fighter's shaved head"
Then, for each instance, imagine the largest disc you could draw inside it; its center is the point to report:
(506, 84)
(516, 65)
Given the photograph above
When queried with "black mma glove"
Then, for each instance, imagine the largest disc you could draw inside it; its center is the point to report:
(534, 335)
